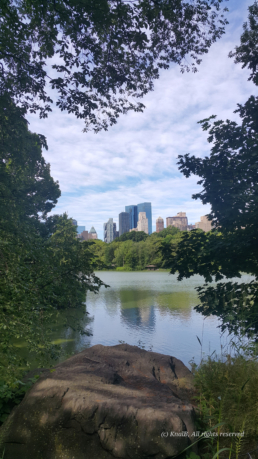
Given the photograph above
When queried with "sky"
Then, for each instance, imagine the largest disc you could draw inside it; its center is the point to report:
(135, 160)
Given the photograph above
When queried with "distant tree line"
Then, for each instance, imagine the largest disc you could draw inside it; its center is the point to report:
(135, 250)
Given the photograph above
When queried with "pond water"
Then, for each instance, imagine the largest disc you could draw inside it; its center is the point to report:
(152, 309)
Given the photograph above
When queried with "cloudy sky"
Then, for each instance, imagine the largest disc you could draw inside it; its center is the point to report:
(135, 160)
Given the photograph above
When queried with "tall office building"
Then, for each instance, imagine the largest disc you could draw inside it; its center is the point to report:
(204, 224)
(159, 224)
(74, 222)
(142, 224)
(145, 207)
(132, 211)
(80, 229)
(93, 233)
(110, 232)
(134, 214)
(180, 221)
(124, 223)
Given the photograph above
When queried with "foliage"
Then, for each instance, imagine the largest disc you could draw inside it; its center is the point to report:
(226, 389)
(103, 55)
(133, 255)
(229, 180)
(11, 395)
(133, 235)
(247, 52)
(171, 230)
(43, 267)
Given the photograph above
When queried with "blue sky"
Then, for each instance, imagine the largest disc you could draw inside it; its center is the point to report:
(135, 160)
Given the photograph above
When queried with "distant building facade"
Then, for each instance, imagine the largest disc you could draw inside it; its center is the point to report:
(145, 207)
(180, 221)
(74, 222)
(124, 223)
(159, 224)
(110, 232)
(80, 229)
(142, 224)
(93, 233)
(84, 235)
(190, 227)
(133, 216)
(204, 224)
(134, 212)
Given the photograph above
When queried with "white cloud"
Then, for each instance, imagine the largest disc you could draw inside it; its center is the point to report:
(135, 161)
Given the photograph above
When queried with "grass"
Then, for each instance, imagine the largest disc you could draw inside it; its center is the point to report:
(227, 397)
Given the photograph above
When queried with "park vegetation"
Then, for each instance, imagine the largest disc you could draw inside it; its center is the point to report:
(135, 250)
(96, 59)
(226, 385)
(108, 54)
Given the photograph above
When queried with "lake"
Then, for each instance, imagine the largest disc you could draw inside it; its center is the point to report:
(152, 309)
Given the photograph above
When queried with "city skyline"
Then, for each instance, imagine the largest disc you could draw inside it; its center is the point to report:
(112, 230)
(136, 160)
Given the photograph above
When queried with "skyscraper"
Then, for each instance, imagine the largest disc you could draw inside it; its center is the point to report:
(145, 207)
(159, 224)
(179, 221)
(132, 211)
(204, 224)
(124, 223)
(80, 229)
(142, 224)
(110, 232)
(93, 233)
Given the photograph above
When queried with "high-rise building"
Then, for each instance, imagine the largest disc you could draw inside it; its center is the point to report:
(110, 232)
(124, 223)
(93, 233)
(142, 224)
(159, 224)
(145, 207)
(134, 214)
(74, 222)
(132, 211)
(80, 229)
(180, 221)
(204, 224)
(84, 235)
(190, 227)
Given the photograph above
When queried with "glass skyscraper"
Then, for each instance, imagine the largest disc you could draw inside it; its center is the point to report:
(132, 211)
(124, 223)
(80, 229)
(146, 207)
(134, 214)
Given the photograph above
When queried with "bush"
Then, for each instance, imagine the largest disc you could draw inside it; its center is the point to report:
(227, 393)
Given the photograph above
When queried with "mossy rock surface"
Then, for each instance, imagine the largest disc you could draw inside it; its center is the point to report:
(105, 402)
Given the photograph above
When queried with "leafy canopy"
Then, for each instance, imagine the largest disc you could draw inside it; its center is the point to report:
(43, 267)
(132, 235)
(99, 56)
(229, 177)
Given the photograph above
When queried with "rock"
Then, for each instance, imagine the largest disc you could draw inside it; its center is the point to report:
(104, 403)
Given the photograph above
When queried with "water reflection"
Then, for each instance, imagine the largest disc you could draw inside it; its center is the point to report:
(157, 310)
(151, 307)
(141, 317)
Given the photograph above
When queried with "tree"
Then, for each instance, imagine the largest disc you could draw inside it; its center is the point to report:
(230, 184)
(104, 55)
(132, 235)
(43, 267)
(170, 230)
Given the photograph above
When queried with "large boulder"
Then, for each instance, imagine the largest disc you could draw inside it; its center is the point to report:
(103, 403)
